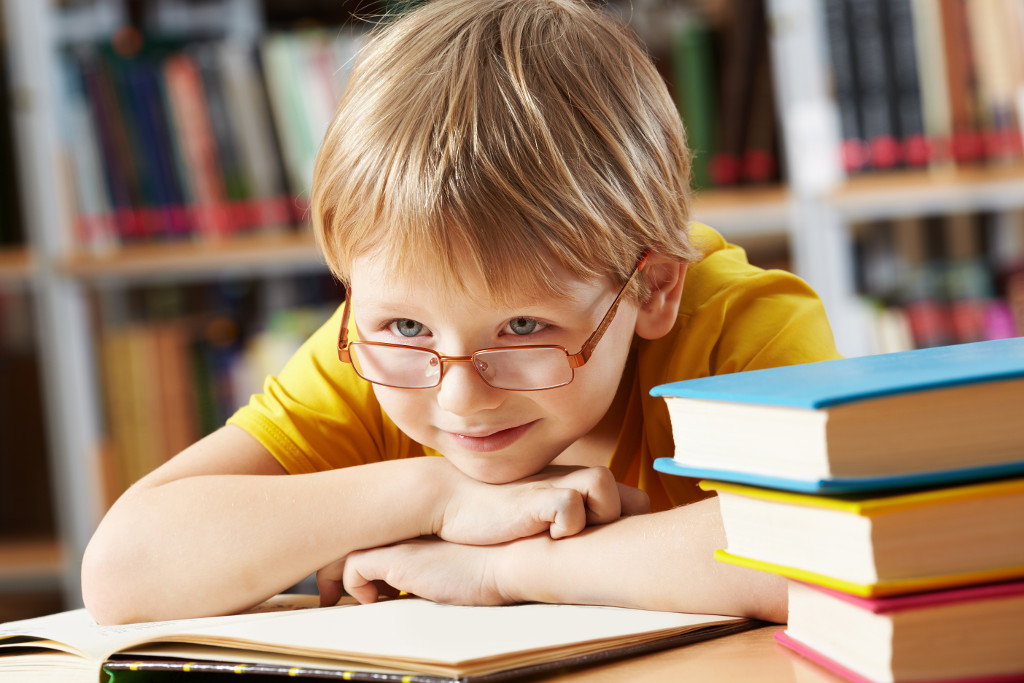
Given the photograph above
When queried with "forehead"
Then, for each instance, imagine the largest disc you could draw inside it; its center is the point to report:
(381, 277)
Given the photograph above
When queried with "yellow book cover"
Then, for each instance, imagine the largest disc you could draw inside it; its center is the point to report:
(882, 545)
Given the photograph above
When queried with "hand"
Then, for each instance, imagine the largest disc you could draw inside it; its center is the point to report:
(559, 500)
(429, 568)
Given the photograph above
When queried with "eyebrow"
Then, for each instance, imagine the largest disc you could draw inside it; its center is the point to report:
(551, 309)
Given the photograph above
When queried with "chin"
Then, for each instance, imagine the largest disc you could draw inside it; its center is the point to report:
(489, 473)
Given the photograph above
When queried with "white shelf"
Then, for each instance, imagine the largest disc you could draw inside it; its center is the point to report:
(932, 192)
(263, 255)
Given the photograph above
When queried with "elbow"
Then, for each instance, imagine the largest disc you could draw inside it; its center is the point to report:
(105, 593)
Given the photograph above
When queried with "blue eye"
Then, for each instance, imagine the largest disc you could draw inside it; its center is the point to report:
(522, 326)
(407, 327)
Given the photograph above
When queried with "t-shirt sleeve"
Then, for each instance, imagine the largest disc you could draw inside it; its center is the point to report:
(317, 414)
(737, 317)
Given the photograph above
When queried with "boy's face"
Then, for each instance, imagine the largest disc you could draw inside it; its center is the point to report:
(493, 435)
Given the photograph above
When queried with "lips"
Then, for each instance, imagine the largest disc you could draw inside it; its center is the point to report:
(495, 441)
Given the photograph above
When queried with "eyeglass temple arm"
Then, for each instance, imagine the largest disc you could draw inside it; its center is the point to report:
(579, 359)
(343, 354)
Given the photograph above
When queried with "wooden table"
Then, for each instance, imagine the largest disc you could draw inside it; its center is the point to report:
(748, 656)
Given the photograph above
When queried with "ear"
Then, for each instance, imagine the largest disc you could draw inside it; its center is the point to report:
(657, 315)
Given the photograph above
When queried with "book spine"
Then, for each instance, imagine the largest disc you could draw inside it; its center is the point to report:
(961, 84)
(759, 163)
(898, 29)
(693, 70)
(931, 64)
(854, 150)
(105, 116)
(189, 109)
(875, 88)
(742, 42)
(996, 58)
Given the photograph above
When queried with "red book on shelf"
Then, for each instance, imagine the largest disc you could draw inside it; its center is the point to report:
(967, 143)
(194, 134)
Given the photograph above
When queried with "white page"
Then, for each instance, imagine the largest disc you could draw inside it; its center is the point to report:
(419, 630)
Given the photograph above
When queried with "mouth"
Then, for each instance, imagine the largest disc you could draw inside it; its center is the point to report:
(487, 443)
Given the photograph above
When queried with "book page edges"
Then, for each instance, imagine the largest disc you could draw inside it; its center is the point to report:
(879, 589)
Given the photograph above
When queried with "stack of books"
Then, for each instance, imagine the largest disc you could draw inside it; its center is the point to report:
(888, 489)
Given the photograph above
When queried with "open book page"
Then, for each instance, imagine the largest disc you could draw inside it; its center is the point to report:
(430, 637)
(75, 632)
(408, 634)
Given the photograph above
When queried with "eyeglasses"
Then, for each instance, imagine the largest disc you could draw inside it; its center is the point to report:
(516, 368)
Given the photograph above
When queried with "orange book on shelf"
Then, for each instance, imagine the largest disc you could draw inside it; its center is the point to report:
(961, 80)
(194, 135)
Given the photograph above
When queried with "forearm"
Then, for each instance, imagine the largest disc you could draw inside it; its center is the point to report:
(661, 561)
(219, 543)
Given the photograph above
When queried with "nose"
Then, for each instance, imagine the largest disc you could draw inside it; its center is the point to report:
(463, 391)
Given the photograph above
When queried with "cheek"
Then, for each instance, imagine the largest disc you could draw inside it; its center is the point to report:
(402, 406)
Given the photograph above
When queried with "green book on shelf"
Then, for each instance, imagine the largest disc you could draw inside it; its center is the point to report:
(693, 70)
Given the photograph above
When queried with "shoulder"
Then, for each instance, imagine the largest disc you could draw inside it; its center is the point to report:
(734, 316)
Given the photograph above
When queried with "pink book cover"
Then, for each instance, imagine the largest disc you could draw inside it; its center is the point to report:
(929, 599)
(821, 660)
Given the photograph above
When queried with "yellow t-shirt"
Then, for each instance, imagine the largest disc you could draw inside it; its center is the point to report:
(317, 414)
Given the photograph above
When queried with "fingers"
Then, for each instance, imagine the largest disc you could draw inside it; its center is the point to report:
(600, 492)
(563, 511)
(358, 582)
(329, 583)
(634, 501)
(582, 498)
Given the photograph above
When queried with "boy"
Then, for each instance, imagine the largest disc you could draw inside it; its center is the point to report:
(505, 192)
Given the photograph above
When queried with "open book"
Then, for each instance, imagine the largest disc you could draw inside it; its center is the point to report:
(388, 640)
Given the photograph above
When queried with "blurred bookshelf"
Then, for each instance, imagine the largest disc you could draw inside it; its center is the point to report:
(124, 247)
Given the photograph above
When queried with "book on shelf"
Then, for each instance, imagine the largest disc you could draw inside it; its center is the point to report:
(177, 361)
(961, 82)
(910, 418)
(939, 280)
(921, 82)
(897, 28)
(996, 34)
(878, 543)
(972, 633)
(392, 640)
(199, 139)
(930, 56)
(853, 147)
(693, 71)
(875, 91)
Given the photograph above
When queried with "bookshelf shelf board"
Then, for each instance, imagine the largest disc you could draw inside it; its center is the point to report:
(15, 265)
(931, 192)
(25, 563)
(745, 211)
(183, 260)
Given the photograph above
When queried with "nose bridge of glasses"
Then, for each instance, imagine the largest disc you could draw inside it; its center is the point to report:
(480, 366)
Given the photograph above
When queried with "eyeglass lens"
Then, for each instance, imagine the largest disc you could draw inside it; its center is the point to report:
(396, 366)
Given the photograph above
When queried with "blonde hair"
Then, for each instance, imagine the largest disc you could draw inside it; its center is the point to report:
(504, 130)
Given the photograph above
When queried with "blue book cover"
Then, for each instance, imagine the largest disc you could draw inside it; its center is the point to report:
(835, 382)
(768, 460)
(844, 485)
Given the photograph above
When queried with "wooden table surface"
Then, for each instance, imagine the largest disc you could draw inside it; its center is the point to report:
(748, 656)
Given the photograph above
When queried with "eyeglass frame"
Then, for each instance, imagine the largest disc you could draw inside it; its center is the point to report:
(575, 360)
